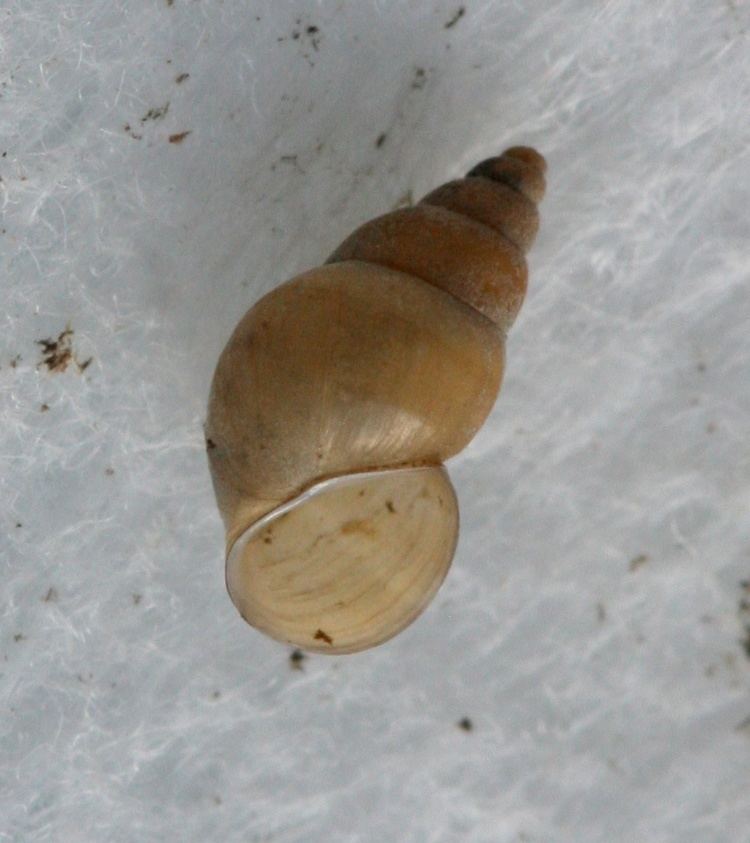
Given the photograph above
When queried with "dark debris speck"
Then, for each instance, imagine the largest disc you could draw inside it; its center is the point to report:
(320, 635)
(638, 561)
(57, 354)
(296, 658)
(419, 80)
(744, 612)
(465, 724)
(745, 642)
(155, 113)
(456, 17)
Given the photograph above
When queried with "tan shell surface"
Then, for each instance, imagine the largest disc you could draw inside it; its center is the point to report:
(494, 204)
(346, 368)
(450, 251)
(350, 564)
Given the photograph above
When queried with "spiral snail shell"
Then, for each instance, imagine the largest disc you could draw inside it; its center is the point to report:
(341, 393)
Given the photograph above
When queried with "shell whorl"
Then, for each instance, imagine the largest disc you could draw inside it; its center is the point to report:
(468, 237)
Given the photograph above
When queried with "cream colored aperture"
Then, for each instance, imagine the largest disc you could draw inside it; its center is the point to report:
(350, 563)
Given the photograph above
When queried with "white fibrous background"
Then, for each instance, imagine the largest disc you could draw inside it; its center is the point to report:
(584, 673)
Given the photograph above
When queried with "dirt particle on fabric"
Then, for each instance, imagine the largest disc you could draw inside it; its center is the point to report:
(155, 113)
(57, 354)
(460, 12)
(296, 659)
(638, 561)
(419, 79)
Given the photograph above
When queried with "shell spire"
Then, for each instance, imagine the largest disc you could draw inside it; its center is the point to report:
(468, 237)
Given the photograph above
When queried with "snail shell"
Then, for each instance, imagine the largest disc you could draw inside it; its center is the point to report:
(341, 393)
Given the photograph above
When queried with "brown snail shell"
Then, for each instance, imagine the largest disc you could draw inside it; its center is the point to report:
(341, 393)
